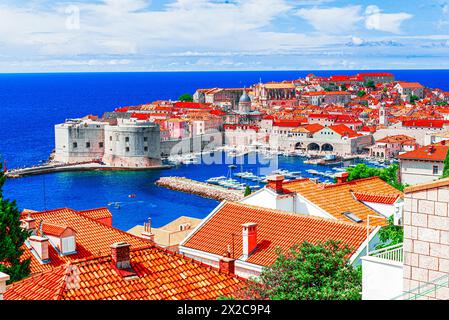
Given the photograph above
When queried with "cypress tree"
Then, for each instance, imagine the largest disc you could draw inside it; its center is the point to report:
(12, 237)
(247, 191)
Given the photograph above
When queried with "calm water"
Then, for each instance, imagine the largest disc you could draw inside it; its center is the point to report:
(31, 104)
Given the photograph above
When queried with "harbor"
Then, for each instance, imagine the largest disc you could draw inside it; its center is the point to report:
(84, 166)
(199, 188)
(106, 188)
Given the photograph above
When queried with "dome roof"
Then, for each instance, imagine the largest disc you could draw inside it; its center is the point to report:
(245, 98)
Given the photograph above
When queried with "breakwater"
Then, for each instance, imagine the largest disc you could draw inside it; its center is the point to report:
(85, 166)
(199, 188)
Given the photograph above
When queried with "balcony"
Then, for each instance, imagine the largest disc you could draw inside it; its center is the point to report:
(382, 273)
(391, 253)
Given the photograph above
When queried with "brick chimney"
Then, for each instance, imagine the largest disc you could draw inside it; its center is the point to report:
(276, 182)
(120, 255)
(227, 265)
(342, 177)
(249, 234)
(40, 247)
(3, 279)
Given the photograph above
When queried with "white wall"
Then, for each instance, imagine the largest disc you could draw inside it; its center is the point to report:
(381, 279)
(414, 172)
(305, 207)
(386, 210)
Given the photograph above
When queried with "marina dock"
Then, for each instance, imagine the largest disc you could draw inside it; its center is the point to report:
(88, 166)
(202, 189)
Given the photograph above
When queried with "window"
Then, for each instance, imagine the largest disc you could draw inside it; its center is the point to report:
(87, 144)
(435, 169)
(75, 145)
(145, 148)
(352, 216)
(100, 144)
(145, 138)
(127, 149)
(110, 138)
(127, 139)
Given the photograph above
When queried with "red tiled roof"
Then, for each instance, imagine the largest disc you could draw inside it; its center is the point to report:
(287, 123)
(376, 198)
(93, 238)
(160, 275)
(274, 229)
(192, 105)
(433, 152)
(343, 130)
(96, 214)
(375, 74)
(425, 123)
(140, 116)
(410, 85)
(397, 139)
(53, 229)
(336, 199)
(314, 127)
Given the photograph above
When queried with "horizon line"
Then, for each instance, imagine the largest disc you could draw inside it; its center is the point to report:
(205, 71)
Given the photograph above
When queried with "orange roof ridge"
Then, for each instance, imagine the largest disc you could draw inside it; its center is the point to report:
(428, 185)
(351, 182)
(293, 214)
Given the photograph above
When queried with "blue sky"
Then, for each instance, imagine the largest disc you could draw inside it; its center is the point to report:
(171, 35)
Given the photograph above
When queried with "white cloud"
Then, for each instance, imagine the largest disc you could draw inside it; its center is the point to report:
(333, 20)
(388, 22)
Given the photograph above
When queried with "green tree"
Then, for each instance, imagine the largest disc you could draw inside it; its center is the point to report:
(385, 89)
(390, 234)
(446, 166)
(389, 175)
(361, 93)
(186, 97)
(309, 272)
(343, 87)
(247, 191)
(413, 99)
(12, 237)
(370, 84)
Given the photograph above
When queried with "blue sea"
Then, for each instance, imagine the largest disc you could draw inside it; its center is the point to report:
(31, 104)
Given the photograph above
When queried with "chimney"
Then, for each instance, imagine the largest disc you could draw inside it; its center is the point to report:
(227, 265)
(29, 224)
(3, 279)
(40, 247)
(342, 177)
(277, 180)
(249, 234)
(146, 233)
(120, 255)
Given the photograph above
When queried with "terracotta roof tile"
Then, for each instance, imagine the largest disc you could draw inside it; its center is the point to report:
(376, 197)
(434, 152)
(93, 238)
(161, 274)
(275, 228)
(337, 199)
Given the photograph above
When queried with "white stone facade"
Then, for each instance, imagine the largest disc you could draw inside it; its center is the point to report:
(79, 141)
(132, 143)
(420, 171)
(128, 143)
